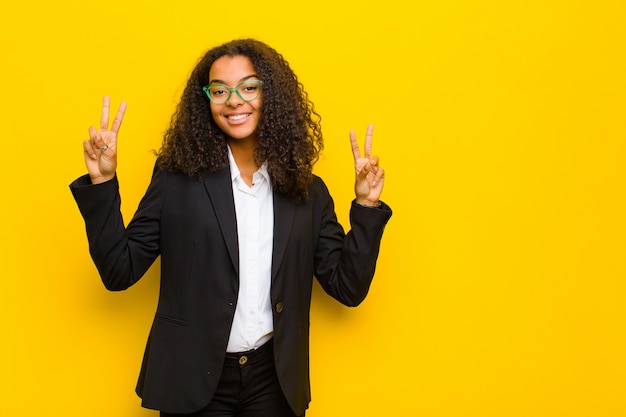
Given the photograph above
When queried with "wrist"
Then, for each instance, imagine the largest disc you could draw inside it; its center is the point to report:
(368, 203)
(101, 179)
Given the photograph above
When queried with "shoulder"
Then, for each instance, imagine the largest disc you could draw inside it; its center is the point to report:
(319, 195)
(171, 183)
(162, 172)
(318, 188)
(318, 184)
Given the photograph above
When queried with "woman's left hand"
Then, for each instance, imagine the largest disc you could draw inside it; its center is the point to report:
(370, 177)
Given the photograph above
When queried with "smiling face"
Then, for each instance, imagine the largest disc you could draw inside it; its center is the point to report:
(237, 118)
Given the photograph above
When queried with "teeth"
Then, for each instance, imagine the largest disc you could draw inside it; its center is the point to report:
(238, 117)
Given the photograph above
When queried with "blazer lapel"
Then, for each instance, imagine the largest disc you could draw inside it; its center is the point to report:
(284, 214)
(219, 187)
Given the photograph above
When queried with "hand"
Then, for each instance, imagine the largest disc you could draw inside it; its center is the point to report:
(101, 148)
(368, 184)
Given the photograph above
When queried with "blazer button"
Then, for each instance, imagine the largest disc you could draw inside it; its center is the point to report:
(279, 308)
(243, 360)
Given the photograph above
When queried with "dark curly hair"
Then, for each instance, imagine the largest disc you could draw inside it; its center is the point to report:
(289, 131)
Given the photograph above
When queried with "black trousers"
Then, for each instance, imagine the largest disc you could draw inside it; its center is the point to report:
(248, 387)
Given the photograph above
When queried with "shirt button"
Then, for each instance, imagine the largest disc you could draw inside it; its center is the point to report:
(243, 360)
(279, 308)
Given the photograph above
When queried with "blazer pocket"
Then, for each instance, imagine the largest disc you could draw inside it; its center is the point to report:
(170, 319)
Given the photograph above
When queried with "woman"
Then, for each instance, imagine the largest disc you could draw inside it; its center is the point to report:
(242, 227)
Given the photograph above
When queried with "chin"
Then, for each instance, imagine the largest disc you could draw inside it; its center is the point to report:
(241, 136)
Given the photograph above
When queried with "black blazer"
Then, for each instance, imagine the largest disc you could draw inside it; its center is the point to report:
(191, 224)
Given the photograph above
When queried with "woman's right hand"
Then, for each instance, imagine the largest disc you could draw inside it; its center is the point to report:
(101, 149)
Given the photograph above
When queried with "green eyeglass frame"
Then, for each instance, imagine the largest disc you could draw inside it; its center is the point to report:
(237, 89)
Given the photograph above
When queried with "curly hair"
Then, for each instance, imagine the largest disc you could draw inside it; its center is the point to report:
(289, 131)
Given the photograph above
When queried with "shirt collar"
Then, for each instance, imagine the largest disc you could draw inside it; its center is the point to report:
(234, 169)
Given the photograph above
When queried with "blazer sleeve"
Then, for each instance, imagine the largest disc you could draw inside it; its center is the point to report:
(345, 263)
(121, 254)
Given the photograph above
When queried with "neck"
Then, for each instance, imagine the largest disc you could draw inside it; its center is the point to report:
(243, 153)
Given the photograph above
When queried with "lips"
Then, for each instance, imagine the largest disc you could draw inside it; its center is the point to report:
(238, 117)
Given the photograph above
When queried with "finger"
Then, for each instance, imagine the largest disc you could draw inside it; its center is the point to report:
(368, 140)
(117, 122)
(93, 134)
(363, 168)
(104, 117)
(355, 146)
(89, 150)
(380, 175)
(97, 141)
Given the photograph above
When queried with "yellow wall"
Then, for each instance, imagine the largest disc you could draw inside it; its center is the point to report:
(500, 287)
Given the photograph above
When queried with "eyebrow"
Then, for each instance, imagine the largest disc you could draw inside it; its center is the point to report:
(217, 81)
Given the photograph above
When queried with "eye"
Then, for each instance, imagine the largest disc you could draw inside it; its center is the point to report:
(218, 90)
(249, 90)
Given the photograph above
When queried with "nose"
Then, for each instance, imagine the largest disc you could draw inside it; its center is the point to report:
(234, 100)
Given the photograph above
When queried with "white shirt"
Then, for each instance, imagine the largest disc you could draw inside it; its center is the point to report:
(254, 206)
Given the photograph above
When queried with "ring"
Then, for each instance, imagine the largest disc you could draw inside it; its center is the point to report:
(104, 148)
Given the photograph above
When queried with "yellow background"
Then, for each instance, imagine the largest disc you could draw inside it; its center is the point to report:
(500, 286)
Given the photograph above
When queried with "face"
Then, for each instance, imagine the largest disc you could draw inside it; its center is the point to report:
(237, 118)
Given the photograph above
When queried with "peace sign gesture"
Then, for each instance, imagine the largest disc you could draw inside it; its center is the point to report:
(368, 184)
(101, 149)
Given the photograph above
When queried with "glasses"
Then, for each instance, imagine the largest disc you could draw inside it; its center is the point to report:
(247, 90)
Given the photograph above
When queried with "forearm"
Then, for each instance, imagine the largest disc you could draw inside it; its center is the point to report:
(345, 268)
(120, 258)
